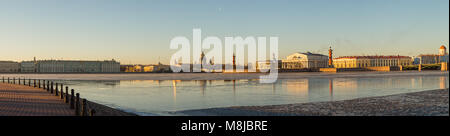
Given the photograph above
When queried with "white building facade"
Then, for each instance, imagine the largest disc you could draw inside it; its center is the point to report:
(9, 67)
(65, 66)
(28, 66)
(304, 61)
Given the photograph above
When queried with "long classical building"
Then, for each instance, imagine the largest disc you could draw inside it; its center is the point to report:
(70, 66)
(442, 56)
(28, 66)
(67, 66)
(9, 67)
(306, 60)
(145, 68)
(370, 61)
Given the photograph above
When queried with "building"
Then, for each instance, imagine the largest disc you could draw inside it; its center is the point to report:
(148, 68)
(442, 56)
(69, 66)
(416, 61)
(137, 68)
(443, 51)
(109, 66)
(145, 68)
(28, 66)
(429, 58)
(306, 60)
(9, 67)
(161, 68)
(127, 68)
(371, 61)
(266, 65)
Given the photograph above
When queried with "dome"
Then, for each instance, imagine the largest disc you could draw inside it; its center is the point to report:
(442, 47)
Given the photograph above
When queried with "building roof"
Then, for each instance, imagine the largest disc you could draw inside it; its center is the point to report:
(372, 57)
(8, 62)
(310, 54)
(76, 61)
(443, 47)
(429, 55)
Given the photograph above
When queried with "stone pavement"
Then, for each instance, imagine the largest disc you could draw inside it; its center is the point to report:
(19, 100)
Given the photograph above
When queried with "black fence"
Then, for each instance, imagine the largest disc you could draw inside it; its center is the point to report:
(72, 99)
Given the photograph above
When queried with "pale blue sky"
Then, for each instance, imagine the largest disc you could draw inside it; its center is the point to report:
(139, 31)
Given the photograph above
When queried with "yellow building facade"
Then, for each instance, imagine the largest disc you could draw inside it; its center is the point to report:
(145, 68)
(370, 61)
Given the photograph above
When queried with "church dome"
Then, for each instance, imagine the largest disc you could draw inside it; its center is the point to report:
(442, 47)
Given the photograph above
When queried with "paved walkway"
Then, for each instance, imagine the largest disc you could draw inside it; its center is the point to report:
(19, 100)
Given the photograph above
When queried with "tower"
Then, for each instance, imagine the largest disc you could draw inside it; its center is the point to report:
(202, 56)
(330, 57)
(442, 50)
(34, 64)
(234, 62)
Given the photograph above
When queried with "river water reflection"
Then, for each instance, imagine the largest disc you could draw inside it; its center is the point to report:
(149, 97)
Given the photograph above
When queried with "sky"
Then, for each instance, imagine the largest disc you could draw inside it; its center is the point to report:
(139, 31)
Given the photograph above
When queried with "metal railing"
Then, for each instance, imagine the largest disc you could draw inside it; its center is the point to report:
(73, 99)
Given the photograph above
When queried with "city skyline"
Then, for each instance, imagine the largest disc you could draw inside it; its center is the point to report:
(139, 32)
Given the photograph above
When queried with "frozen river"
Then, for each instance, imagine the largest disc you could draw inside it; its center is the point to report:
(150, 94)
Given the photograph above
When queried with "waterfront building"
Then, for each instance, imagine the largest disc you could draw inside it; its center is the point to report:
(9, 66)
(306, 60)
(429, 58)
(265, 64)
(109, 66)
(148, 68)
(145, 68)
(69, 66)
(442, 56)
(371, 61)
(126, 68)
(443, 50)
(161, 68)
(416, 61)
(28, 66)
(137, 68)
(443, 53)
